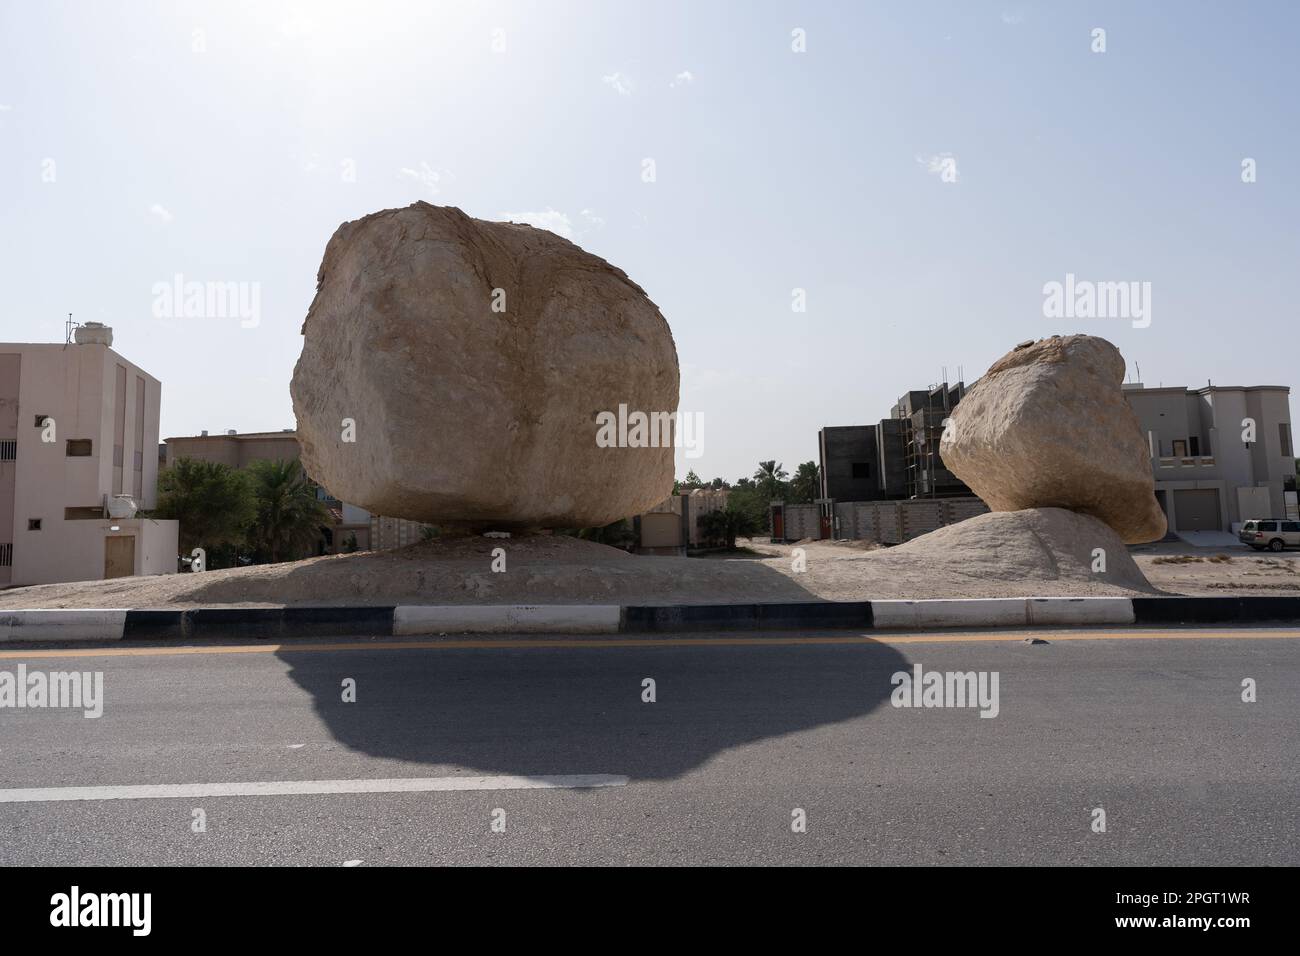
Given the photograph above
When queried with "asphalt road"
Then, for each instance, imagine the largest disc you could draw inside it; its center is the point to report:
(743, 732)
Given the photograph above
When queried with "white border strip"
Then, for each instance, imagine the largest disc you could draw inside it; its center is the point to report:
(63, 624)
(1001, 612)
(1083, 610)
(276, 788)
(507, 619)
(949, 612)
(108, 624)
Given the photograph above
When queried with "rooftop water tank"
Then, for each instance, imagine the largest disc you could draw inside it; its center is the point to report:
(122, 506)
(93, 333)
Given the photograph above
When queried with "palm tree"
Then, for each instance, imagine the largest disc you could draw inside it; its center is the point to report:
(806, 483)
(724, 526)
(289, 517)
(212, 502)
(769, 476)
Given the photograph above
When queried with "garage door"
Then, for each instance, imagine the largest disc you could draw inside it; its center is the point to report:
(1197, 509)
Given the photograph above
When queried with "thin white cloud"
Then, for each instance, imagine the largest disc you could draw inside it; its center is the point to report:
(557, 222)
(5, 107)
(1013, 18)
(620, 84)
(161, 213)
(684, 78)
(943, 165)
(591, 219)
(428, 177)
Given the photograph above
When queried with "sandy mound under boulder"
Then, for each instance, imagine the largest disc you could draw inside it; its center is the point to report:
(1040, 552)
(1032, 547)
(540, 569)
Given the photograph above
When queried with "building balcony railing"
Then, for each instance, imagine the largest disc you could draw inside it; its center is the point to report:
(1194, 461)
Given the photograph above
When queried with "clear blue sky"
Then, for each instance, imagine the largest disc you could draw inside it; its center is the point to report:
(775, 170)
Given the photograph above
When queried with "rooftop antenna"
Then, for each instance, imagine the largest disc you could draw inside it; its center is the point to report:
(1139, 371)
(68, 326)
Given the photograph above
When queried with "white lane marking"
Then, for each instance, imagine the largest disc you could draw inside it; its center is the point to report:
(275, 788)
(352, 862)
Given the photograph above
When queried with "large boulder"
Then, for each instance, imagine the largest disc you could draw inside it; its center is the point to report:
(1048, 426)
(475, 359)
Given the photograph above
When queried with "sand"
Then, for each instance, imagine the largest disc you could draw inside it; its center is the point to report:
(1028, 553)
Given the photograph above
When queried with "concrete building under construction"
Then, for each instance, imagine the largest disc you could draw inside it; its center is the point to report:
(896, 458)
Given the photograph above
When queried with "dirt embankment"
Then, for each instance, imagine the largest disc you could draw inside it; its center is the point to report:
(1008, 554)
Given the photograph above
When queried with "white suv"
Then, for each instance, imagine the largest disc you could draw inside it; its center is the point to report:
(1272, 533)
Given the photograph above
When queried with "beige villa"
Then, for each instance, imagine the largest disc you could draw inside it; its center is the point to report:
(78, 440)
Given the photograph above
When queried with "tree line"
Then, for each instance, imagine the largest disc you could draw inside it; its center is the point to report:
(264, 513)
(748, 504)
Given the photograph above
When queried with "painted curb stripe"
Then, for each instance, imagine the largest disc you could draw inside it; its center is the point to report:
(256, 623)
(275, 788)
(1086, 610)
(1215, 610)
(56, 624)
(542, 643)
(508, 619)
(276, 623)
(153, 625)
(954, 612)
(689, 617)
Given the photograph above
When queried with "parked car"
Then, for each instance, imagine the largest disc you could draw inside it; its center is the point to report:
(1272, 533)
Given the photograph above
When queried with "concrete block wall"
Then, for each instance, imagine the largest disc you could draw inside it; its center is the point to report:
(893, 522)
(802, 521)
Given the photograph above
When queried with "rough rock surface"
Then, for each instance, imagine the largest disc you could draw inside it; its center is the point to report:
(1048, 427)
(466, 412)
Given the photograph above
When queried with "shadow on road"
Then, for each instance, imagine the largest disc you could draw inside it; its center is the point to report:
(563, 710)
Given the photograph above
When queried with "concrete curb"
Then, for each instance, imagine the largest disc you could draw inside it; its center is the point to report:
(987, 612)
(1002, 612)
(700, 617)
(508, 619)
(89, 624)
(1216, 610)
(1078, 611)
(278, 623)
(255, 623)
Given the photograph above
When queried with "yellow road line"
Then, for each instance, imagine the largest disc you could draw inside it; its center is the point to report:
(882, 637)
